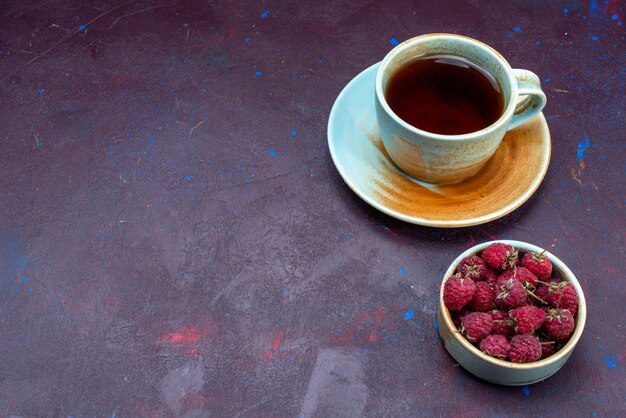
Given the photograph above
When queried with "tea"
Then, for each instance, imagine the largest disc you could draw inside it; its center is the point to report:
(445, 95)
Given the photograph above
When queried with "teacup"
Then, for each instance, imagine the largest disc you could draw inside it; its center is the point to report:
(444, 158)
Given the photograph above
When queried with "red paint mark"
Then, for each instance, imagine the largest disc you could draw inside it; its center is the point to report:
(611, 269)
(470, 242)
(232, 34)
(186, 335)
(493, 237)
(268, 355)
(614, 8)
(374, 334)
(438, 286)
(347, 336)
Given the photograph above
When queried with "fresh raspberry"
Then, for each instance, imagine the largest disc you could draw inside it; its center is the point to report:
(538, 263)
(563, 295)
(548, 347)
(458, 292)
(525, 348)
(527, 319)
(559, 324)
(542, 290)
(502, 323)
(476, 326)
(484, 296)
(490, 276)
(500, 256)
(510, 294)
(473, 267)
(458, 316)
(497, 346)
(522, 274)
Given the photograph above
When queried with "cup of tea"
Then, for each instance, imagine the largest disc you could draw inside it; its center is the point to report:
(444, 102)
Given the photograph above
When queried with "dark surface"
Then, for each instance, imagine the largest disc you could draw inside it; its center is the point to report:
(176, 241)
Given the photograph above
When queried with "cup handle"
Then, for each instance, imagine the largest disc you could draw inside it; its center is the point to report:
(531, 98)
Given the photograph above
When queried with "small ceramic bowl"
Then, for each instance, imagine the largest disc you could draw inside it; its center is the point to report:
(500, 371)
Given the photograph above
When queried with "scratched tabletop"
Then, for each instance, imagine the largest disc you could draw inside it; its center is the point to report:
(175, 240)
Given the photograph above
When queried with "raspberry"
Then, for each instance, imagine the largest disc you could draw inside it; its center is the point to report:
(525, 348)
(522, 274)
(560, 324)
(473, 267)
(500, 256)
(490, 276)
(458, 292)
(563, 295)
(458, 316)
(484, 297)
(542, 290)
(548, 347)
(538, 263)
(476, 326)
(497, 346)
(527, 319)
(502, 324)
(510, 294)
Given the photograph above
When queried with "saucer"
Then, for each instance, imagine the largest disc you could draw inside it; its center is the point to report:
(508, 179)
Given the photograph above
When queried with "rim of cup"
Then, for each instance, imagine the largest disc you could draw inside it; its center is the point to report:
(409, 43)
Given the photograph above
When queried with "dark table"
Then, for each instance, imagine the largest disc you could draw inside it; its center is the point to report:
(176, 241)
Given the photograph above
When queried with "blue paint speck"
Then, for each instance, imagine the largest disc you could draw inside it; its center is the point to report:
(257, 73)
(187, 177)
(582, 147)
(594, 414)
(403, 271)
(393, 41)
(611, 362)
(24, 280)
(294, 132)
(305, 165)
(30, 289)
(526, 390)
(40, 91)
(537, 43)
(272, 152)
(619, 23)
(436, 325)
(615, 17)
(408, 314)
(265, 13)
(595, 38)
(593, 6)
(517, 29)
(82, 27)
(247, 40)
(565, 10)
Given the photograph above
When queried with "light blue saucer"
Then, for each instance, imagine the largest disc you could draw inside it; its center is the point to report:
(508, 179)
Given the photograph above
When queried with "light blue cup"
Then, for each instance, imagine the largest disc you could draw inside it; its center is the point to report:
(441, 159)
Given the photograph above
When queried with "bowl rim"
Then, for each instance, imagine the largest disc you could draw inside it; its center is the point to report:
(564, 273)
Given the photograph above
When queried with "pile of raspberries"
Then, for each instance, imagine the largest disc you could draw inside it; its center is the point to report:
(510, 305)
